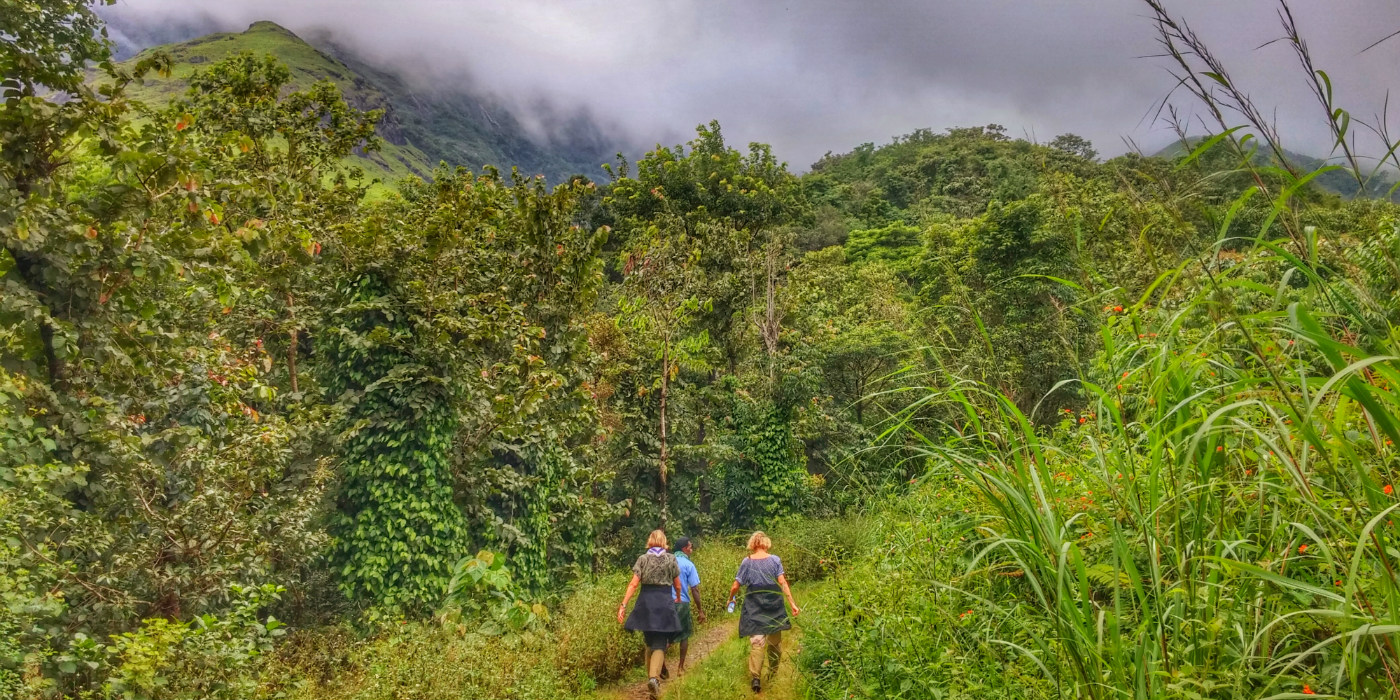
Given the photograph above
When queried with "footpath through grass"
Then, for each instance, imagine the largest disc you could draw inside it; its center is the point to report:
(721, 672)
(724, 674)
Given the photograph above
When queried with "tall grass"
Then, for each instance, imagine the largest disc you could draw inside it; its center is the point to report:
(1222, 516)
(581, 649)
(1218, 520)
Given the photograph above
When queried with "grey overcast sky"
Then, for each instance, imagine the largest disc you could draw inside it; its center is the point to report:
(813, 76)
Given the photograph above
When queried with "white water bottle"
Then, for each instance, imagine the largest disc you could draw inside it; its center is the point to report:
(731, 606)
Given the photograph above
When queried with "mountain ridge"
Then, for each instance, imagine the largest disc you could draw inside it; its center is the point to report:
(420, 128)
(1338, 182)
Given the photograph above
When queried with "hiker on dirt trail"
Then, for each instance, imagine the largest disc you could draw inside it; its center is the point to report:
(690, 598)
(659, 577)
(764, 617)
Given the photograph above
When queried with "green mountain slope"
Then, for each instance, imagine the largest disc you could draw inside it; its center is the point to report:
(1339, 182)
(420, 127)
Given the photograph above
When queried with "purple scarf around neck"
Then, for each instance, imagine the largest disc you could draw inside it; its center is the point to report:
(656, 551)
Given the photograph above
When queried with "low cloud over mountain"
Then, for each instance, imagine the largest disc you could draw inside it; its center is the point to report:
(825, 75)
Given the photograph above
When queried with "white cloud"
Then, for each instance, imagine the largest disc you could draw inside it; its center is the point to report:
(816, 75)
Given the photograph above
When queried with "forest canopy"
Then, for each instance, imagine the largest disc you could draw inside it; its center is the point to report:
(238, 394)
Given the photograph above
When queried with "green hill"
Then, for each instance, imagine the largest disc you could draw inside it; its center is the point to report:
(1339, 182)
(421, 127)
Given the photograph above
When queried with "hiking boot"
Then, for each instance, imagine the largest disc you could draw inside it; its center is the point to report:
(756, 685)
(654, 688)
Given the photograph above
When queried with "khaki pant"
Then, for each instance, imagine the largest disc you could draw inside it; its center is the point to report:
(758, 644)
(655, 660)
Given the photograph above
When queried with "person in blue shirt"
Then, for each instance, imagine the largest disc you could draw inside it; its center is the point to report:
(690, 597)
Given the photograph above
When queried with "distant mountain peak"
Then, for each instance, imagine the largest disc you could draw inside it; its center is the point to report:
(270, 26)
(421, 126)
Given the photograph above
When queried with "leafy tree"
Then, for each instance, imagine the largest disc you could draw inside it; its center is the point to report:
(1075, 146)
(731, 203)
(433, 349)
(285, 153)
(995, 284)
(897, 244)
(153, 466)
(764, 476)
(703, 232)
(662, 305)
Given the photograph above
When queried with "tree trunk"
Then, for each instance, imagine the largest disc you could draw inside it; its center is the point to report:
(665, 385)
(294, 339)
(771, 327)
(29, 273)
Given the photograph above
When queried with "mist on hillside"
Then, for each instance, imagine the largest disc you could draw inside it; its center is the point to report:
(825, 76)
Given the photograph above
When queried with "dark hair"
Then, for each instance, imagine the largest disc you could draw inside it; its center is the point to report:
(682, 543)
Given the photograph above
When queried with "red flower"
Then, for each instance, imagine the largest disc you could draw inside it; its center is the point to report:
(1388, 490)
(1307, 690)
(1302, 548)
(1118, 309)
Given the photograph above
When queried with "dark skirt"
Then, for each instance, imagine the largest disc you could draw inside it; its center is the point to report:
(655, 611)
(656, 641)
(687, 623)
(765, 612)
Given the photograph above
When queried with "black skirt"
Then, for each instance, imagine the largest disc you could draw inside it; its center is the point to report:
(655, 611)
(765, 612)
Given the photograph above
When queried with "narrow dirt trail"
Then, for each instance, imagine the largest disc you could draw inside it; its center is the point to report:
(701, 646)
(715, 668)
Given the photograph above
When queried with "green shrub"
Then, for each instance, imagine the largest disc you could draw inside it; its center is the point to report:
(590, 647)
(581, 648)
(414, 660)
(886, 626)
(813, 549)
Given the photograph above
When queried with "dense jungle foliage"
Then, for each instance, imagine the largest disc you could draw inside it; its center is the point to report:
(1045, 425)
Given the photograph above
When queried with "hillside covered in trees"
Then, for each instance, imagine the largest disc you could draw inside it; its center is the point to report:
(1029, 423)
